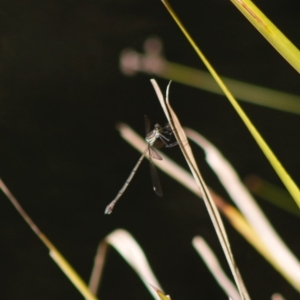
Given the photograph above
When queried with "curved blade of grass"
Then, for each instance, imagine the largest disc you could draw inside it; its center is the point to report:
(132, 61)
(232, 214)
(124, 243)
(209, 203)
(238, 221)
(270, 32)
(281, 172)
(54, 253)
(215, 268)
(271, 193)
(243, 199)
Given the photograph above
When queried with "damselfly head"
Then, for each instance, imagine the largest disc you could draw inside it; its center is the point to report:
(157, 127)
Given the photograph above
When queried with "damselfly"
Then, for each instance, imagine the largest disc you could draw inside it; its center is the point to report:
(158, 137)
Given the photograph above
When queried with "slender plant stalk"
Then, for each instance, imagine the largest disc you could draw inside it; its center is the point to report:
(54, 253)
(97, 270)
(210, 205)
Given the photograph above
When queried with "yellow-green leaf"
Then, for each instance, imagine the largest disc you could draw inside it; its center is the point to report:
(279, 169)
(270, 32)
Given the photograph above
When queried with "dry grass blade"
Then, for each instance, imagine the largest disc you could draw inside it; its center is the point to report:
(284, 259)
(238, 221)
(210, 205)
(124, 243)
(270, 32)
(54, 253)
(231, 213)
(215, 268)
(281, 172)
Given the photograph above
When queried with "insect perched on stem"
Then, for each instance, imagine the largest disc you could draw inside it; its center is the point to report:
(159, 137)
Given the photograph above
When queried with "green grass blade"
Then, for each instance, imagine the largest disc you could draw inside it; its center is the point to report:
(279, 169)
(150, 63)
(271, 193)
(270, 32)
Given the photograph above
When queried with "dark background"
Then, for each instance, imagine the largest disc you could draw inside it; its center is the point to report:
(61, 94)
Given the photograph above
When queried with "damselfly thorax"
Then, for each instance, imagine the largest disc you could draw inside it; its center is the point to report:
(153, 135)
